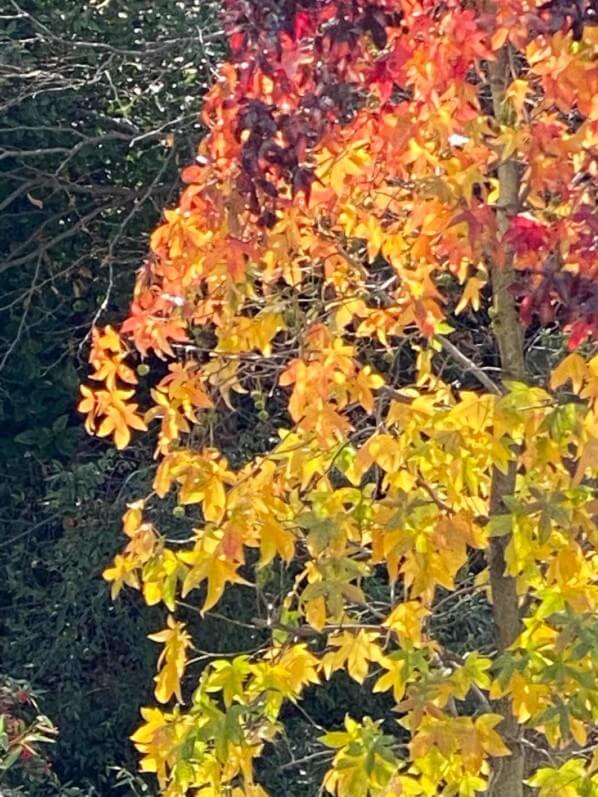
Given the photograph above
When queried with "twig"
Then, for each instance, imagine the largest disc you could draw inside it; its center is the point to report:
(306, 759)
(469, 365)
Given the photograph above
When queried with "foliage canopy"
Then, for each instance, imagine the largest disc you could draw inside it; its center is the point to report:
(394, 201)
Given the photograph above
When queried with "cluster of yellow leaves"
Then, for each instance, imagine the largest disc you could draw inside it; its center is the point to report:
(247, 334)
(139, 550)
(550, 676)
(569, 780)
(109, 411)
(364, 764)
(201, 478)
(429, 517)
(216, 743)
(177, 398)
(455, 750)
(446, 752)
(324, 383)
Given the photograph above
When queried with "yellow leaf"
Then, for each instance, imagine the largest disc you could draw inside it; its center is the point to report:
(406, 621)
(490, 739)
(315, 612)
(516, 93)
(354, 651)
(214, 501)
(393, 679)
(573, 368)
(578, 731)
(152, 592)
(351, 162)
(132, 518)
(470, 295)
(216, 570)
(527, 697)
(275, 539)
(588, 460)
(172, 661)
(301, 666)
(123, 571)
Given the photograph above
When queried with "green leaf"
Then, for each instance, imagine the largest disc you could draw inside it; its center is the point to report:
(500, 525)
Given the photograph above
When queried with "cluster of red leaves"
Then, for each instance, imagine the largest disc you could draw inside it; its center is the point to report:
(306, 76)
(299, 71)
(303, 66)
(526, 235)
(549, 291)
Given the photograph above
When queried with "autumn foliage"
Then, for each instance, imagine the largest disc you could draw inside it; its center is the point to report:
(381, 180)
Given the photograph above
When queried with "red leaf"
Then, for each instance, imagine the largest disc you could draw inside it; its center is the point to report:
(192, 174)
(579, 332)
(525, 234)
(303, 24)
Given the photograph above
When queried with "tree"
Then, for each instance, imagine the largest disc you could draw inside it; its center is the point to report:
(390, 229)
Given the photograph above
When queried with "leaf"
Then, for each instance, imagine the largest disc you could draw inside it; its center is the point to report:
(490, 739)
(516, 93)
(354, 651)
(395, 678)
(470, 295)
(587, 461)
(275, 539)
(123, 571)
(229, 677)
(216, 570)
(315, 612)
(574, 369)
(406, 621)
(172, 661)
(132, 518)
(500, 525)
(214, 501)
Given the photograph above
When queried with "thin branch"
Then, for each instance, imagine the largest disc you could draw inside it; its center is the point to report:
(323, 754)
(469, 365)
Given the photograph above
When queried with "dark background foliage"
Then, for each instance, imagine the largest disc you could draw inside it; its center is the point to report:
(98, 110)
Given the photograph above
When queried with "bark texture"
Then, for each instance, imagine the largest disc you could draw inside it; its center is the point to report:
(507, 773)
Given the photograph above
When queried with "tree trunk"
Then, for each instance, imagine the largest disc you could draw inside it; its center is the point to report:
(508, 772)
